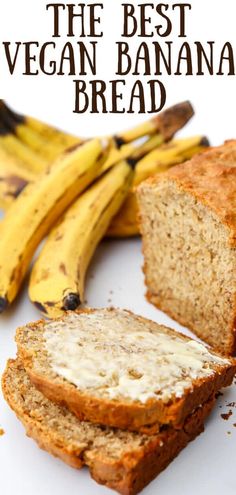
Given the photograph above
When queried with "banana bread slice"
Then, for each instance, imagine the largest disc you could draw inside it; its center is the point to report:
(121, 460)
(188, 225)
(112, 367)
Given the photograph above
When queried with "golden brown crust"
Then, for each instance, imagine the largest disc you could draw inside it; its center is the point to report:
(130, 416)
(133, 470)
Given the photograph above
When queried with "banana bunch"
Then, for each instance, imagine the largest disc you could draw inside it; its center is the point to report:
(36, 210)
(58, 277)
(33, 146)
(77, 191)
(28, 146)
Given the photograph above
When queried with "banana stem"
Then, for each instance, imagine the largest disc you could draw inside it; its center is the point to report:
(163, 126)
(166, 124)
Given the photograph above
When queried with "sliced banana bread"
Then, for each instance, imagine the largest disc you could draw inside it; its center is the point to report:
(188, 225)
(121, 460)
(112, 367)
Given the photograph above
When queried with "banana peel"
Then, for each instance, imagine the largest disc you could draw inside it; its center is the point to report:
(58, 276)
(37, 209)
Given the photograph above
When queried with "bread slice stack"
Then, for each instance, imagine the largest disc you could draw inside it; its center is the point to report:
(111, 390)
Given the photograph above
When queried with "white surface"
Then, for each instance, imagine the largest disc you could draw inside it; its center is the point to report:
(207, 465)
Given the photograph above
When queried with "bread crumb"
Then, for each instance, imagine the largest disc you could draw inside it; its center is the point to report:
(226, 416)
(1, 432)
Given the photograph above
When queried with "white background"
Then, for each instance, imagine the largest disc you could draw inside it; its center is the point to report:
(208, 465)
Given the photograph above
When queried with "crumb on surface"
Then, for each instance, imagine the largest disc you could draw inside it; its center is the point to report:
(1, 432)
(227, 415)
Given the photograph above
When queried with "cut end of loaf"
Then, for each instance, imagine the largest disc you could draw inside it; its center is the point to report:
(189, 258)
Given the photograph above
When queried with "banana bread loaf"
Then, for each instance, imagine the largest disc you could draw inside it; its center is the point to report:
(188, 225)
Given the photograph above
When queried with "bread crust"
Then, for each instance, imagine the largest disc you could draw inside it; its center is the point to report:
(127, 474)
(133, 416)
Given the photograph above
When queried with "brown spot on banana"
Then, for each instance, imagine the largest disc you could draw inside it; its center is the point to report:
(62, 268)
(16, 185)
(59, 237)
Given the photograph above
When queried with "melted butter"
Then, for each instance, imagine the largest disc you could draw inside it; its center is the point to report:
(117, 355)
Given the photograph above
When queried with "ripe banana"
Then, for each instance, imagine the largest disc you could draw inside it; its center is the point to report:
(14, 177)
(58, 276)
(131, 151)
(35, 211)
(28, 158)
(37, 135)
(161, 129)
(166, 124)
(24, 132)
(125, 224)
(169, 154)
